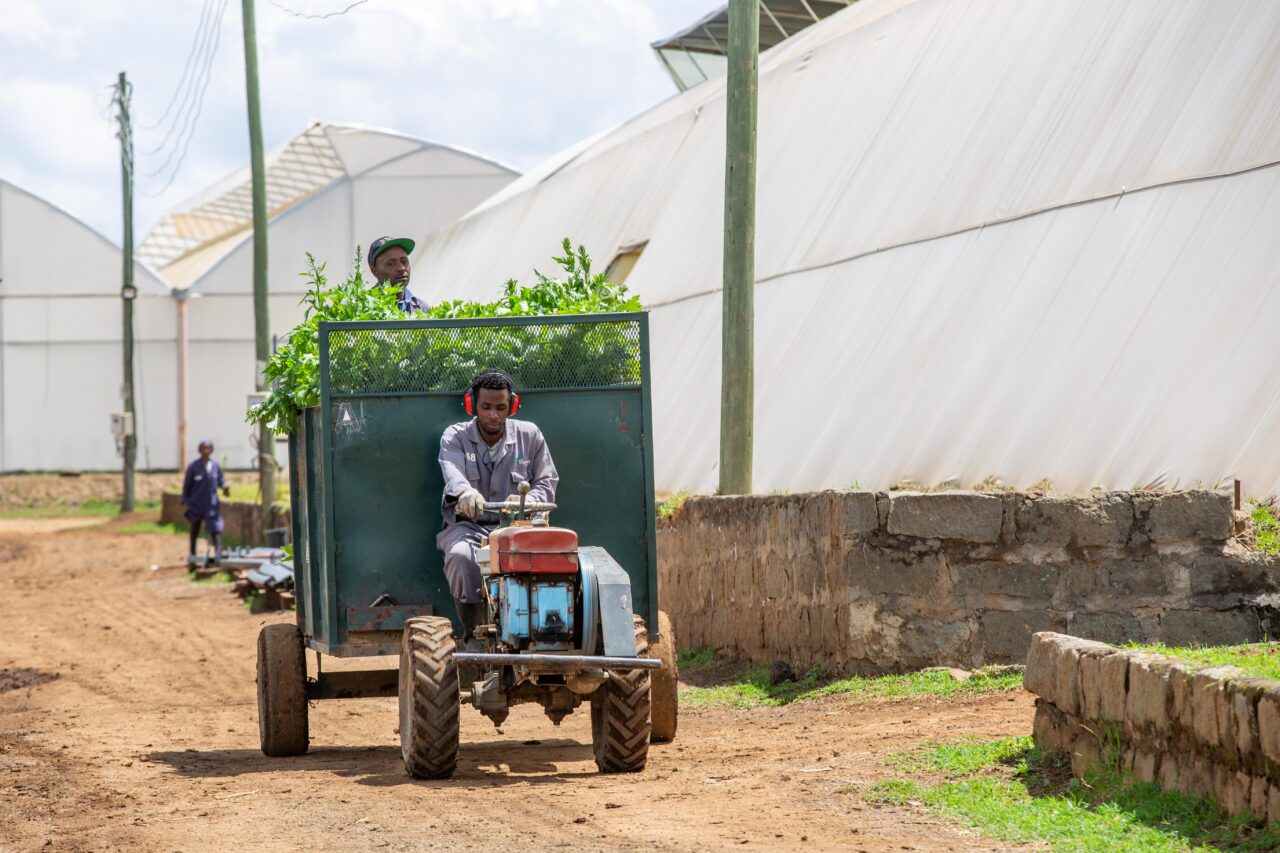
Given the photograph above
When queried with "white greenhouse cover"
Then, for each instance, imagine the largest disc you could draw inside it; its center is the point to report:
(61, 362)
(331, 189)
(1021, 239)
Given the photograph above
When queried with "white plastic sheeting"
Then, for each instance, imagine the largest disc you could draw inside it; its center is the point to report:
(1021, 239)
(331, 189)
(60, 353)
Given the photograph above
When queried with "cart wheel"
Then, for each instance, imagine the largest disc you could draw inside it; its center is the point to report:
(282, 691)
(666, 694)
(620, 715)
(428, 698)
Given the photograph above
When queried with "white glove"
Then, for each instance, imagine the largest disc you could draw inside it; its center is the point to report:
(471, 504)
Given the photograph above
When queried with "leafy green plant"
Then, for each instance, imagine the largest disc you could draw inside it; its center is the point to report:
(384, 360)
(1266, 528)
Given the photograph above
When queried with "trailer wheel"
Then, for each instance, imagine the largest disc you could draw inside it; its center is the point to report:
(666, 681)
(282, 691)
(428, 698)
(620, 715)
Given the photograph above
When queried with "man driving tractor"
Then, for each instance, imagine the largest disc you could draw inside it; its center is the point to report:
(486, 459)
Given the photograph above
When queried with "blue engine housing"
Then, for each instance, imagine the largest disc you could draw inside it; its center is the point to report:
(533, 612)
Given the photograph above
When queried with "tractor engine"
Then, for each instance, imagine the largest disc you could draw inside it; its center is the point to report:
(533, 584)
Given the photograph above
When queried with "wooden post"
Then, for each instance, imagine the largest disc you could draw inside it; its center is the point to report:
(737, 380)
(127, 289)
(261, 317)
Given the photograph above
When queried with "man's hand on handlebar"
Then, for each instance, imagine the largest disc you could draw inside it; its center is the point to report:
(471, 504)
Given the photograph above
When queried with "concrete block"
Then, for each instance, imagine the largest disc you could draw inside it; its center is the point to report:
(1273, 804)
(1006, 635)
(1051, 729)
(1140, 578)
(1243, 696)
(1113, 671)
(888, 571)
(1231, 789)
(1209, 627)
(1106, 627)
(860, 514)
(966, 516)
(1012, 502)
(1207, 694)
(1092, 686)
(1189, 515)
(1092, 521)
(1015, 580)
(1066, 657)
(1147, 702)
(1181, 695)
(1230, 577)
(1170, 775)
(1146, 765)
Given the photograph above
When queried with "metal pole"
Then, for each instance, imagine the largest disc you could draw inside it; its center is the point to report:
(261, 319)
(127, 291)
(180, 296)
(737, 374)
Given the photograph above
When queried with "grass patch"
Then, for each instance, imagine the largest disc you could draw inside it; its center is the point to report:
(250, 492)
(1037, 800)
(220, 577)
(672, 504)
(750, 687)
(64, 509)
(692, 660)
(1257, 659)
(1266, 528)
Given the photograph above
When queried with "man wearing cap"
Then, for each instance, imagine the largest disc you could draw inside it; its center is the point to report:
(389, 260)
(200, 497)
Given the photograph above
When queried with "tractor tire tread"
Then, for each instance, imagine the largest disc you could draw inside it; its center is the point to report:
(428, 698)
(620, 715)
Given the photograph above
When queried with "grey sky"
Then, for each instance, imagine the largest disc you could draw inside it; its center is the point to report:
(516, 80)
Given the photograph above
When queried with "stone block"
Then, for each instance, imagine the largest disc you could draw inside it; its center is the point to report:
(860, 514)
(1051, 729)
(1066, 661)
(966, 516)
(1269, 722)
(1228, 578)
(1181, 692)
(1146, 765)
(1006, 634)
(1113, 670)
(1258, 796)
(1015, 580)
(1038, 677)
(1209, 627)
(1147, 701)
(1106, 627)
(1170, 772)
(1232, 789)
(887, 571)
(1092, 521)
(1243, 695)
(1092, 686)
(1189, 515)
(1141, 578)
(1273, 804)
(1212, 725)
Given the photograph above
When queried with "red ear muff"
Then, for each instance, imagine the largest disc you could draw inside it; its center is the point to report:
(471, 409)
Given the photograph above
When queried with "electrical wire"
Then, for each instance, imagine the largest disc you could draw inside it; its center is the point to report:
(198, 55)
(186, 70)
(298, 14)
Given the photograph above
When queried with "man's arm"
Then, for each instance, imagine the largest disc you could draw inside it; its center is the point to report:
(543, 477)
(453, 464)
(187, 483)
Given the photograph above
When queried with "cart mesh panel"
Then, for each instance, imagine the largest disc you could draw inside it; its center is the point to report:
(402, 359)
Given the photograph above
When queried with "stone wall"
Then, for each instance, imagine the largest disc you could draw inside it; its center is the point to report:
(1212, 732)
(864, 582)
(242, 520)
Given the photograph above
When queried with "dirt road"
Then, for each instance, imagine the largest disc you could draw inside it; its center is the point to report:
(128, 720)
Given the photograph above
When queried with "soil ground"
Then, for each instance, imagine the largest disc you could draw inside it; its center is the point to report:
(128, 720)
(71, 489)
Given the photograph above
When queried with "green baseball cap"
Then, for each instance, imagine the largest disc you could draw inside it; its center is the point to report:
(382, 243)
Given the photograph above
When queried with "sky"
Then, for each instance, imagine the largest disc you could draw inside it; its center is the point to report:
(515, 80)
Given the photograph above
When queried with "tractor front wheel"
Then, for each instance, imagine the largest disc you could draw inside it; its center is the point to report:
(282, 691)
(428, 698)
(666, 683)
(620, 715)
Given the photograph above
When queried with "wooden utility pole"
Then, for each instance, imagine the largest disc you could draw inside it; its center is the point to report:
(261, 317)
(127, 290)
(737, 364)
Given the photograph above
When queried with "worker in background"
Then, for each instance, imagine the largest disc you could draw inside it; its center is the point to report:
(486, 459)
(200, 497)
(389, 261)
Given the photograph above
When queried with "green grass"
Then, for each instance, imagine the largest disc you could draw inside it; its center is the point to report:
(66, 509)
(1266, 528)
(692, 660)
(1016, 793)
(220, 577)
(1257, 659)
(250, 493)
(749, 687)
(672, 504)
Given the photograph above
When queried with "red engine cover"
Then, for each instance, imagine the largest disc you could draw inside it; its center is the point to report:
(535, 550)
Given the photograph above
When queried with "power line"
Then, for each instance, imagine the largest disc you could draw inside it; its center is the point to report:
(208, 39)
(186, 70)
(298, 14)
